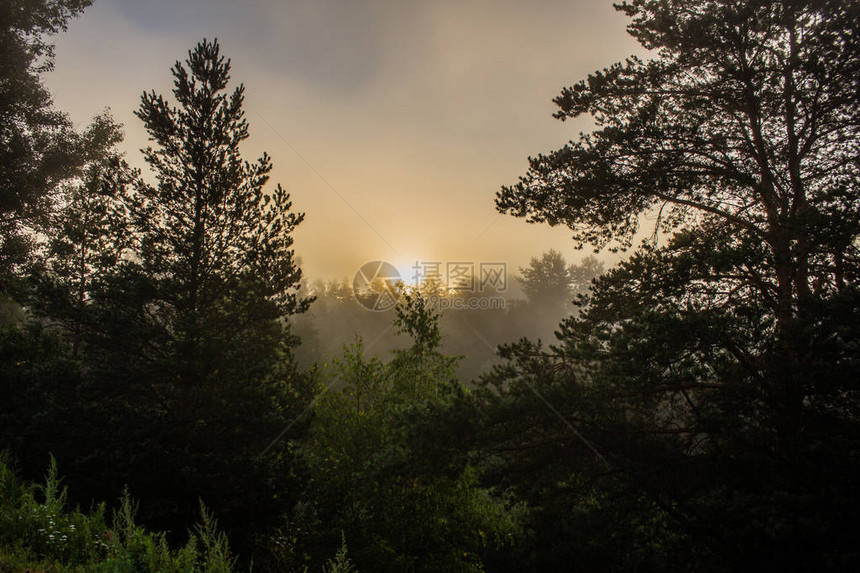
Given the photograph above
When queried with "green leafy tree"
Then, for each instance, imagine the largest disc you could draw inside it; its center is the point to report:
(88, 238)
(37, 142)
(47, 411)
(582, 274)
(547, 281)
(44, 164)
(384, 470)
(551, 286)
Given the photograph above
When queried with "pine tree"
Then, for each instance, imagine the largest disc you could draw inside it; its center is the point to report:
(714, 370)
(191, 340)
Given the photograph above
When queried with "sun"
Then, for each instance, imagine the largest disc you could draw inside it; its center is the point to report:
(413, 269)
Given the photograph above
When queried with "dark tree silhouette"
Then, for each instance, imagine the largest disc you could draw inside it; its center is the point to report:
(715, 372)
(188, 342)
(37, 143)
(747, 118)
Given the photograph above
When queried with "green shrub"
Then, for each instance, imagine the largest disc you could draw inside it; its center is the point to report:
(38, 533)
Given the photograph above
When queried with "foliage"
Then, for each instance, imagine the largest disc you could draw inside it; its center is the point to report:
(208, 225)
(38, 148)
(383, 470)
(174, 300)
(547, 281)
(341, 562)
(686, 435)
(194, 317)
(471, 326)
(41, 408)
(37, 531)
(551, 284)
(89, 237)
(714, 371)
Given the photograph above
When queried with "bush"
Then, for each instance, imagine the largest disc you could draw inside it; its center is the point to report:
(38, 532)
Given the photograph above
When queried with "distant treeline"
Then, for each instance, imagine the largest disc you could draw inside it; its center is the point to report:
(474, 322)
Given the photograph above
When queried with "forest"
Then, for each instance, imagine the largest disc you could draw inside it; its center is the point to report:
(175, 395)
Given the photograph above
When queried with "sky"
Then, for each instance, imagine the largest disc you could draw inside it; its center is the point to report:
(392, 123)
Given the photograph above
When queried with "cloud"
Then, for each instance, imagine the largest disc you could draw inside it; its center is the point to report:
(334, 44)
